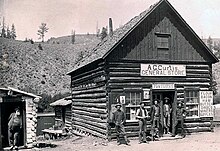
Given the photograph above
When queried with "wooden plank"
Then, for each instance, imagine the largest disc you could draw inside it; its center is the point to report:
(89, 95)
(93, 90)
(93, 100)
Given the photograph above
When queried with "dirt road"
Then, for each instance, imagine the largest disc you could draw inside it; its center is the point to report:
(209, 141)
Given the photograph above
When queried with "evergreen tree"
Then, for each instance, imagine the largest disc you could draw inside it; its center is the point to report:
(8, 33)
(103, 33)
(13, 32)
(3, 34)
(210, 43)
(73, 35)
(42, 30)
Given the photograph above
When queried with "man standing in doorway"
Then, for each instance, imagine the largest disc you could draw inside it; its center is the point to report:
(155, 119)
(14, 128)
(119, 120)
(166, 113)
(142, 116)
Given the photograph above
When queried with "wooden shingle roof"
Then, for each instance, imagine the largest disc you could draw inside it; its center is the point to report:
(110, 42)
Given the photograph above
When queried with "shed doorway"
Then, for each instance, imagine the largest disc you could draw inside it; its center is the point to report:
(160, 95)
(8, 107)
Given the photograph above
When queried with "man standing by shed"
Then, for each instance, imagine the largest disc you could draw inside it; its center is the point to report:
(14, 128)
(142, 116)
(119, 120)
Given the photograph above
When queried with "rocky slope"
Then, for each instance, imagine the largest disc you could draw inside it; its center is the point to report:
(28, 67)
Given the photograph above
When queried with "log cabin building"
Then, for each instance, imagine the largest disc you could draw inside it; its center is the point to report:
(63, 113)
(10, 98)
(153, 56)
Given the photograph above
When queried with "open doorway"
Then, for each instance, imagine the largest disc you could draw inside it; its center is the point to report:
(6, 109)
(166, 100)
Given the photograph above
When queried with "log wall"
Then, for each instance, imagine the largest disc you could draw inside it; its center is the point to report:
(89, 106)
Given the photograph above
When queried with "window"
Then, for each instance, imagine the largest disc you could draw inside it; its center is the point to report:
(192, 103)
(132, 103)
(162, 42)
(163, 45)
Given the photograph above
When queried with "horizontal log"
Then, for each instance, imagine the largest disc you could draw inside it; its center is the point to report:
(85, 73)
(91, 76)
(89, 118)
(198, 129)
(98, 115)
(91, 110)
(92, 123)
(126, 69)
(198, 71)
(203, 124)
(92, 128)
(196, 119)
(81, 128)
(96, 105)
(98, 90)
(197, 67)
(93, 100)
(89, 95)
(79, 88)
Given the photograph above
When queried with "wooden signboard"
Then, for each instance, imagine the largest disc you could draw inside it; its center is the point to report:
(206, 104)
(163, 70)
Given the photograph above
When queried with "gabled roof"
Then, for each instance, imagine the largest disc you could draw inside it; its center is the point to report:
(62, 102)
(110, 42)
(21, 92)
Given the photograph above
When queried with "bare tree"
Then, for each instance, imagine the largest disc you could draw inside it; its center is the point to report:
(73, 35)
(13, 32)
(42, 30)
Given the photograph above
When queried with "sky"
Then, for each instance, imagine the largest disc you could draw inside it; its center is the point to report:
(84, 16)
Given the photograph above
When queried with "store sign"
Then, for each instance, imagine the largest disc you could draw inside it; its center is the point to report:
(206, 104)
(163, 70)
(163, 86)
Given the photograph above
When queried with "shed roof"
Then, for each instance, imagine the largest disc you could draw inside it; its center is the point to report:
(110, 42)
(62, 102)
(21, 92)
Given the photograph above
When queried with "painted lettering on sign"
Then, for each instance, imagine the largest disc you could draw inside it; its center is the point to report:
(163, 86)
(162, 70)
(206, 104)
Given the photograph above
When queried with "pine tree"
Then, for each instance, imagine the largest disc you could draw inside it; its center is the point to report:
(42, 30)
(210, 43)
(13, 32)
(104, 33)
(73, 35)
(8, 33)
(3, 34)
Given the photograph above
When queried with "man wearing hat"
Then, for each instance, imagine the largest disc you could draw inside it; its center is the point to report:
(14, 128)
(155, 119)
(119, 120)
(180, 115)
(166, 113)
(142, 116)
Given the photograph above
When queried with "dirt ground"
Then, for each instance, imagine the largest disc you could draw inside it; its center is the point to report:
(209, 141)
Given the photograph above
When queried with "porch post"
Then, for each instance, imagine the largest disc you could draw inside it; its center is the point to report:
(0, 125)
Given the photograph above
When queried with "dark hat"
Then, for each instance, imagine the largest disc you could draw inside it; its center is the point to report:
(166, 98)
(118, 104)
(17, 109)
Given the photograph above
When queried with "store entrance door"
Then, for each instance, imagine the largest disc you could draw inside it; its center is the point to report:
(160, 95)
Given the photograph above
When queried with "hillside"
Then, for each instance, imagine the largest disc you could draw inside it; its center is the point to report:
(24, 66)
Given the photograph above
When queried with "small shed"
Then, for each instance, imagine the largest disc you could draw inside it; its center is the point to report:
(10, 98)
(63, 112)
(153, 56)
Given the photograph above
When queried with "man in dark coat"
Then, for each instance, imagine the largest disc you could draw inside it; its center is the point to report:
(142, 116)
(166, 113)
(14, 128)
(180, 116)
(155, 119)
(119, 120)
